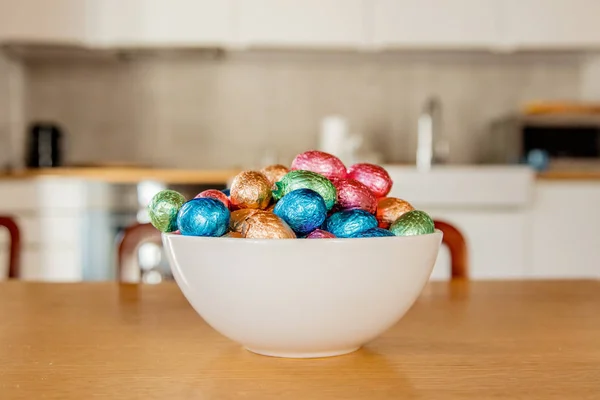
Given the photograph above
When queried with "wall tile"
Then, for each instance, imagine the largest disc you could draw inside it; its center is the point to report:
(201, 112)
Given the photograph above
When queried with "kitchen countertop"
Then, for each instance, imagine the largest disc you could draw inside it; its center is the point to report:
(214, 176)
(461, 340)
(127, 174)
(570, 175)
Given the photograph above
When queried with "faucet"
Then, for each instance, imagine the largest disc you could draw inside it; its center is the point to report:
(428, 130)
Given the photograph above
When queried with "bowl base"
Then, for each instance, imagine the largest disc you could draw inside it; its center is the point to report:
(318, 354)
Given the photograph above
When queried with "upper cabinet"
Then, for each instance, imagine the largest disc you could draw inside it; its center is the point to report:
(142, 23)
(556, 24)
(318, 24)
(306, 23)
(435, 23)
(41, 22)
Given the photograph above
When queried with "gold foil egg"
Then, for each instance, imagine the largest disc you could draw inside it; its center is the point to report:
(275, 172)
(235, 235)
(238, 219)
(389, 209)
(261, 225)
(250, 189)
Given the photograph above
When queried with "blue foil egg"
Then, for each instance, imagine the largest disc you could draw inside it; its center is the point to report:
(226, 191)
(203, 217)
(373, 232)
(347, 223)
(304, 210)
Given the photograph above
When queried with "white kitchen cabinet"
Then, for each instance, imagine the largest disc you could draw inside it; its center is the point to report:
(435, 23)
(52, 215)
(43, 22)
(141, 23)
(566, 230)
(559, 24)
(498, 242)
(490, 205)
(307, 23)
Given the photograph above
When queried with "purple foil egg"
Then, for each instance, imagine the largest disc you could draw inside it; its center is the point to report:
(320, 162)
(320, 234)
(351, 194)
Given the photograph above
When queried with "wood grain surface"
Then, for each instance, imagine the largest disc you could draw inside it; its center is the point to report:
(461, 340)
(128, 175)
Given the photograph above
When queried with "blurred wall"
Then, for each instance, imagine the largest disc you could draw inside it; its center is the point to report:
(200, 111)
(12, 92)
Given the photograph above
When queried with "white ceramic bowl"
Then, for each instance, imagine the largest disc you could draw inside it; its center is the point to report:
(304, 297)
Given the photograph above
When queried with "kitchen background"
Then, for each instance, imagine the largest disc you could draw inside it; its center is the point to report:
(152, 93)
(189, 110)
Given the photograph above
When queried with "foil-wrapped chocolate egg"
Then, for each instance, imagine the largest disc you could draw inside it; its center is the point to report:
(275, 172)
(413, 223)
(203, 217)
(235, 235)
(373, 232)
(302, 179)
(250, 189)
(304, 210)
(238, 218)
(214, 194)
(373, 176)
(163, 209)
(352, 194)
(262, 225)
(226, 192)
(389, 209)
(346, 223)
(320, 162)
(320, 234)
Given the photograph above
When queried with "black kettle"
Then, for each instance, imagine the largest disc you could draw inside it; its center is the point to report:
(44, 148)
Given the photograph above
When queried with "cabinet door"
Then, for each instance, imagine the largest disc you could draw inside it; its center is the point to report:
(162, 23)
(435, 23)
(307, 23)
(566, 230)
(498, 242)
(552, 24)
(35, 21)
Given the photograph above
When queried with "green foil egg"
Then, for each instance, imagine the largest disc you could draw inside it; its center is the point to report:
(163, 209)
(301, 179)
(413, 223)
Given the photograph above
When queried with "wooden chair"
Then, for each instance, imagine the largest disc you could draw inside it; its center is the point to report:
(15, 245)
(131, 239)
(457, 245)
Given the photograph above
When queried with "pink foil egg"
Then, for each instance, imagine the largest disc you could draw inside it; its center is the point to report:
(320, 234)
(215, 194)
(351, 194)
(320, 162)
(373, 176)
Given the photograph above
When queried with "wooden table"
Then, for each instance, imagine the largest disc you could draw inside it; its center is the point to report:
(527, 340)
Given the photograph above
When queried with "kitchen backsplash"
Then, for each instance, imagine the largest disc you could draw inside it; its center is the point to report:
(199, 111)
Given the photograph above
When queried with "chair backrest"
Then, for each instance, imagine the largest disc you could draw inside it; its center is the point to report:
(128, 269)
(457, 245)
(14, 255)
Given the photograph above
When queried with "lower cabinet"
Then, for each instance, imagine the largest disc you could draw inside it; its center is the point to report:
(566, 230)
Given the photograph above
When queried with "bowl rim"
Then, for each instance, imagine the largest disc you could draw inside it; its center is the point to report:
(437, 232)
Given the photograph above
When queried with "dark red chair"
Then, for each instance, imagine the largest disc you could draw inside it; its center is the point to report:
(14, 256)
(457, 245)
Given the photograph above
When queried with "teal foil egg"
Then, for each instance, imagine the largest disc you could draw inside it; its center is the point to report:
(203, 217)
(301, 179)
(413, 223)
(304, 210)
(163, 209)
(373, 232)
(345, 224)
